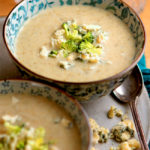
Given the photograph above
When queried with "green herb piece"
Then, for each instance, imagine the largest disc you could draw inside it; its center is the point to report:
(89, 48)
(53, 53)
(88, 37)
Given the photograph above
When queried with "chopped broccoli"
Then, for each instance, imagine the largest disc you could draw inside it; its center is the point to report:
(69, 46)
(65, 26)
(71, 31)
(12, 129)
(53, 53)
(88, 37)
(74, 35)
(20, 145)
(89, 48)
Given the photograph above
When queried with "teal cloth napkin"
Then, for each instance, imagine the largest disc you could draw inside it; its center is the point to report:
(146, 75)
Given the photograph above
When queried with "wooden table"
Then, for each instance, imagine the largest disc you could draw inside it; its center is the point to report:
(7, 5)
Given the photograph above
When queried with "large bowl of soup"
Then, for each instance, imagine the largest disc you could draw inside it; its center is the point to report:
(38, 116)
(84, 47)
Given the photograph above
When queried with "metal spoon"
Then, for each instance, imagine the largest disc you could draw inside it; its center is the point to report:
(128, 92)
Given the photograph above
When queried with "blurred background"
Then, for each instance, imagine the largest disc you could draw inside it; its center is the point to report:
(140, 6)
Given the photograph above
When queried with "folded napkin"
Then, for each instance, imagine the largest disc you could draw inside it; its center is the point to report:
(146, 75)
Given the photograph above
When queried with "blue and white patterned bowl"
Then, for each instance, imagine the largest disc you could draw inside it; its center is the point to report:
(69, 104)
(80, 90)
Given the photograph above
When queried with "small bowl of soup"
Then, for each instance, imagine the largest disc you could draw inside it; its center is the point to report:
(86, 48)
(38, 116)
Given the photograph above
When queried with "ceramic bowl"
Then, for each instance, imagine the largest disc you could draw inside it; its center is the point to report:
(69, 104)
(82, 91)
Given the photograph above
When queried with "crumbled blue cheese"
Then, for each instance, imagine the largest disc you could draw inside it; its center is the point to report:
(66, 123)
(114, 112)
(103, 135)
(11, 119)
(54, 148)
(59, 33)
(91, 27)
(91, 58)
(44, 52)
(93, 148)
(123, 131)
(132, 144)
(65, 64)
(124, 117)
(111, 113)
(100, 134)
(59, 38)
(14, 100)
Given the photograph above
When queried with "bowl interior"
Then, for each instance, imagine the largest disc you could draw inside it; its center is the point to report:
(29, 8)
(37, 89)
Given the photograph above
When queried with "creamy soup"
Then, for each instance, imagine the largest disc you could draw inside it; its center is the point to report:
(116, 52)
(40, 112)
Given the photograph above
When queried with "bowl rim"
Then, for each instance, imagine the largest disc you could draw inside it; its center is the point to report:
(113, 77)
(75, 102)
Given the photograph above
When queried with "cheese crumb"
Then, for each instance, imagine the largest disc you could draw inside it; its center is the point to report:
(100, 134)
(65, 64)
(44, 52)
(54, 148)
(93, 148)
(123, 131)
(114, 112)
(91, 27)
(15, 100)
(66, 123)
(132, 144)
(111, 113)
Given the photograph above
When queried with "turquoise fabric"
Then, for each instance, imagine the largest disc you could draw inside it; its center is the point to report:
(146, 75)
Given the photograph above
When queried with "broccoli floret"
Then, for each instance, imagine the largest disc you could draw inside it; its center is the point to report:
(69, 46)
(74, 35)
(71, 31)
(65, 26)
(89, 48)
(88, 37)
(53, 53)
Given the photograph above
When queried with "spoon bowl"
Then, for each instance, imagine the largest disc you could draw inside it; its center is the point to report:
(128, 92)
(131, 87)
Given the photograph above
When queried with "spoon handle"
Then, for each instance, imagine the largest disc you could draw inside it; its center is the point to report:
(138, 125)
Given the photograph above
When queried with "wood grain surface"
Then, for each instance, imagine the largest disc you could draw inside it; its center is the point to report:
(7, 5)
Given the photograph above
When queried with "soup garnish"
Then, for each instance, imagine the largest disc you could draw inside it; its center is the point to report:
(18, 135)
(76, 43)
